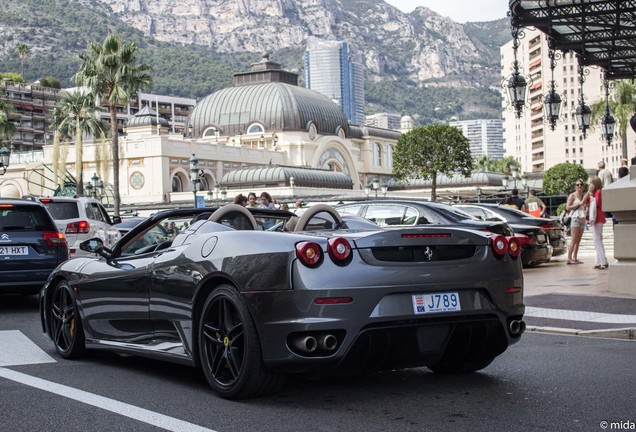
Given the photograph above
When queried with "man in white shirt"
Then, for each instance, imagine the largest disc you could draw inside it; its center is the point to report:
(604, 174)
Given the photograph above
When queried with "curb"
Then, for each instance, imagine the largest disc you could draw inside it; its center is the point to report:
(623, 333)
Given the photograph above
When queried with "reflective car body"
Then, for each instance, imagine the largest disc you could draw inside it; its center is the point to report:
(535, 243)
(553, 227)
(30, 246)
(404, 213)
(250, 306)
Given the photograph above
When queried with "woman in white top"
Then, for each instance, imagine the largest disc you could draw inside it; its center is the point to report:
(576, 207)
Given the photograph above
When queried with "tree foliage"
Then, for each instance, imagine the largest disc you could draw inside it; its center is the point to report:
(51, 82)
(7, 127)
(428, 150)
(561, 178)
(111, 70)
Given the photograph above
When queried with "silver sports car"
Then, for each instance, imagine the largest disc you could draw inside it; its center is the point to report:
(309, 295)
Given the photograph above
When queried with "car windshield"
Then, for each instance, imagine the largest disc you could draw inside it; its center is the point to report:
(61, 210)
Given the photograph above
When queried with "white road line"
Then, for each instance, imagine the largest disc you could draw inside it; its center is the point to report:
(23, 351)
(570, 315)
(124, 409)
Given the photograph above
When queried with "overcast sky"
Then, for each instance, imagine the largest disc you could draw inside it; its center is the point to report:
(458, 10)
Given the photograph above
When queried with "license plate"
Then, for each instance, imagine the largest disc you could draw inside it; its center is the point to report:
(436, 303)
(14, 250)
(541, 238)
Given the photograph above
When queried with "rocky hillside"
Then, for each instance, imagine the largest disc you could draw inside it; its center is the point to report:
(195, 45)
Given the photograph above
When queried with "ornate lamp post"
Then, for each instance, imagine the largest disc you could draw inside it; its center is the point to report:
(608, 122)
(5, 158)
(376, 185)
(195, 175)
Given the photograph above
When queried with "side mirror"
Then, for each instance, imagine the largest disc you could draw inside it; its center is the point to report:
(116, 219)
(94, 245)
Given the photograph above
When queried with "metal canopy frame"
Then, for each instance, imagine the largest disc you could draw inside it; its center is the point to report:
(601, 32)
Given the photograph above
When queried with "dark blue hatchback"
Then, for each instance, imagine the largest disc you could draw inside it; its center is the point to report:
(30, 246)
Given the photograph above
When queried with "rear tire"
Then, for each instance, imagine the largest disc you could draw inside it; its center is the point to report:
(66, 325)
(230, 350)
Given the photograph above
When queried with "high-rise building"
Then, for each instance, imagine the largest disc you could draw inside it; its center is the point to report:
(485, 136)
(333, 70)
(384, 120)
(529, 138)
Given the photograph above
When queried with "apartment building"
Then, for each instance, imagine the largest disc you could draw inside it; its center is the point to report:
(485, 136)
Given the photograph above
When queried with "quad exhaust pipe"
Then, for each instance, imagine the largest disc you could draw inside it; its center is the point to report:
(327, 342)
(517, 327)
(306, 344)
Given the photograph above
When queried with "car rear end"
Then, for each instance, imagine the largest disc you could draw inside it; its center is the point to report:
(31, 246)
(535, 245)
(396, 298)
(556, 235)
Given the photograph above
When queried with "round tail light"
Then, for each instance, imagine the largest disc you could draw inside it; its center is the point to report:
(339, 250)
(499, 245)
(309, 253)
(514, 247)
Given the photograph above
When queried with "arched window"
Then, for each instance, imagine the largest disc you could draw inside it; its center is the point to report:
(255, 128)
(377, 154)
(177, 184)
(211, 132)
(389, 156)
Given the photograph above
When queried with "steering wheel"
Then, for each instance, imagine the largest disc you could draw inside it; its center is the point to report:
(233, 208)
(312, 211)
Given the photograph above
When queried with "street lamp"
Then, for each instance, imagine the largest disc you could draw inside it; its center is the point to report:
(478, 193)
(95, 187)
(367, 190)
(384, 189)
(5, 157)
(376, 185)
(190, 129)
(195, 176)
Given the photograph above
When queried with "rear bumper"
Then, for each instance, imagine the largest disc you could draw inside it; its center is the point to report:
(24, 281)
(537, 254)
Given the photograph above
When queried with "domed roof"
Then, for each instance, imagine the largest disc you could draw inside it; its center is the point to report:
(262, 97)
(147, 116)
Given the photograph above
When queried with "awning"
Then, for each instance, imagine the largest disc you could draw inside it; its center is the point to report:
(601, 31)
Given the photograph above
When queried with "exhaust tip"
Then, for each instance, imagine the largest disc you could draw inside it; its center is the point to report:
(306, 344)
(328, 342)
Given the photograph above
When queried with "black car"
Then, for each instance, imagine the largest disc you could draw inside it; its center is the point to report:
(553, 227)
(535, 243)
(31, 246)
(250, 305)
(405, 213)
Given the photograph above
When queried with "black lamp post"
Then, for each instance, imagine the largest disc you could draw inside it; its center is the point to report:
(552, 100)
(95, 187)
(583, 112)
(478, 193)
(195, 175)
(516, 84)
(190, 129)
(608, 122)
(5, 157)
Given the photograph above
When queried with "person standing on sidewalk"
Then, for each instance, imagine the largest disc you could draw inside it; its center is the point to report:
(576, 207)
(597, 219)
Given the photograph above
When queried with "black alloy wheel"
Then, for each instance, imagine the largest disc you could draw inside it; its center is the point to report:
(229, 348)
(66, 327)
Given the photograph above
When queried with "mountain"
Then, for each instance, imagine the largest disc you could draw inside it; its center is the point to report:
(418, 63)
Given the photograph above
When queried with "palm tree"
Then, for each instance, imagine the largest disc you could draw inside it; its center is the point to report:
(110, 70)
(23, 50)
(622, 104)
(76, 114)
(7, 128)
(485, 163)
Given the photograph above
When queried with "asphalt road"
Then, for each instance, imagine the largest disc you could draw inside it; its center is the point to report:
(544, 383)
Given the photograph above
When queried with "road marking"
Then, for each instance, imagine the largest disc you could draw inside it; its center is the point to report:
(23, 351)
(570, 315)
(124, 409)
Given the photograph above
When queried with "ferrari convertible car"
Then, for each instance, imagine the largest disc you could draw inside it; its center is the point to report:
(309, 296)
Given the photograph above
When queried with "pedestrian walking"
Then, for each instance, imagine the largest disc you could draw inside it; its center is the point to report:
(604, 174)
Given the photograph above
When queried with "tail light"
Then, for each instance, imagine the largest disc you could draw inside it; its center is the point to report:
(524, 239)
(514, 247)
(339, 250)
(81, 227)
(309, 253)
(547, 227)
(54, 238)
(499, 245)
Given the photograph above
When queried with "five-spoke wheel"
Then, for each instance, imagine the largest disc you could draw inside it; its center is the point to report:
(230, 351)
(66, 327)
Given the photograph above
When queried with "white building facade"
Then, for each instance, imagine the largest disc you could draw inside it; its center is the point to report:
(485, 136)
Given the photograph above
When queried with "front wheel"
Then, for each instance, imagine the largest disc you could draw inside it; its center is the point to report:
(229, 348)
(66, 326)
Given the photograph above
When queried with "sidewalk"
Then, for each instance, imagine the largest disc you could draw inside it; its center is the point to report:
(574, 299)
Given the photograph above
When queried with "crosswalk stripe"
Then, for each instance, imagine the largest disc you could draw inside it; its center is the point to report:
(572, 315)
(23, 351)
